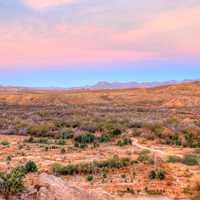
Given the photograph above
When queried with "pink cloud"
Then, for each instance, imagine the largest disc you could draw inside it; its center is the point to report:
(42, 4)
(169, 35)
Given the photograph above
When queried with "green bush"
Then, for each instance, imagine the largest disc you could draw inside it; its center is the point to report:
(5, 143)
(12, 183)
(152, 174)
(40, 129)
(130, 190)
(37, 140)
(116, 132)
(8, 158)
(190, 159)
(60, 142)
(105, 138)
(30, 166)
(85, 139)
(161, 175)
(91, 167)
(174, 140)
(174, 159)
(157, 130)
(124, 142)
(145, 158)
(90, 178)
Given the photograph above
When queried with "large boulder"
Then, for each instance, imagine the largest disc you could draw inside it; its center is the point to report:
(53, 188)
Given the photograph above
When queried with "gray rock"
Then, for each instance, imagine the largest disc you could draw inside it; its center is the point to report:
(54, 188)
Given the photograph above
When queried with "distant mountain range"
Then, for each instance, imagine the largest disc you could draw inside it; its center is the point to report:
(128, 85)
(103, 85)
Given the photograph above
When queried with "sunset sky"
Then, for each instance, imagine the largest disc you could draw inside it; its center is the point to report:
(78, 42)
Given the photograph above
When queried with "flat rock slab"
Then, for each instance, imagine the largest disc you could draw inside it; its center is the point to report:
(54, 188)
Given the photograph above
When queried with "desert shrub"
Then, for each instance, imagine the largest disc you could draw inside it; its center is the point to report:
(5, 143)
(153, 191)
(39, 129)
(57, 169)
(188, 138)
(137, 133)
(81, 146)
(145, 158)
(60, 142)
(91, 167)
(85, 139)
(104, 177)
(174, 140)
(114, 162)
(68, 124)
(135, 125)
(29, 140)
(66, 135)
(190, 159)
(71, 169)
(130, 190)
(152, 174)
(192, 138)
(42, 140)
(8, 158)
(161, 174)
(12, 183)
(116, 132)
(30, 166)
(62, 150)
(105, 138)
(37, 140)
(89, 127)
(157, 130)
(90, 178)
(61, 124)
(174, 159)
(197, 151)
(124, 142)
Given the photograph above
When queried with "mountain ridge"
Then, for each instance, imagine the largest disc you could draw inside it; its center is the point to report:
(101, 85)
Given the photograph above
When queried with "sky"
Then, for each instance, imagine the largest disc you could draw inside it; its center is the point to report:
(66, 43)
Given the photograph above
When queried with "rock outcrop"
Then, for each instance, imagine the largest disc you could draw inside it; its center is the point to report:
(53, 188)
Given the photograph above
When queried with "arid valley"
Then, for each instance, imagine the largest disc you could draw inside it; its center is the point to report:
(121, 144)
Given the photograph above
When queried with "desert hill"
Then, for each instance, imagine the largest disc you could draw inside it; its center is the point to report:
(186, 94)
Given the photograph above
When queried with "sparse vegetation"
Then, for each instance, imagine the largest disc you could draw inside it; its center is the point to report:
(124, 142)
(5, 143)
(85, 138)
(89, 168)
(11, 183)
(84, 129)
(157, 174)
(144, 157)
(190, 159)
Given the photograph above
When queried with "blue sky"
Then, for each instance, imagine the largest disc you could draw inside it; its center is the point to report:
(89, 75)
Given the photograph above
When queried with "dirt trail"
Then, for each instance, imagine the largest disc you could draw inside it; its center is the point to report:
(153, 150)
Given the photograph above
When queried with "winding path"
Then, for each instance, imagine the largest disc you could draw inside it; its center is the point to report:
(153, 150)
